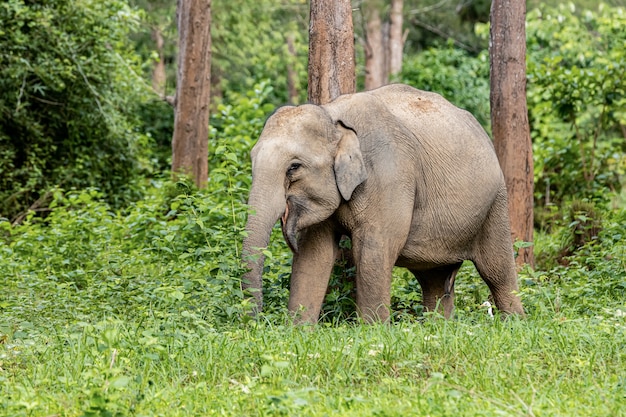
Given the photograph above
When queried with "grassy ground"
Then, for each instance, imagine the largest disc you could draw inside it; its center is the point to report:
(103, 314)
(473, 366)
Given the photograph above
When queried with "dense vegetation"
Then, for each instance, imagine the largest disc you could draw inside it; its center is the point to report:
(125, 300)
(70, 88)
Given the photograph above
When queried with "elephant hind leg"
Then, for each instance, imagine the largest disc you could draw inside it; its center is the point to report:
(438, 288)
(495, 262)
(501, 278)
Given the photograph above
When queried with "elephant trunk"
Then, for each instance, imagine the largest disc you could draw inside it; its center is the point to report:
(266, 205)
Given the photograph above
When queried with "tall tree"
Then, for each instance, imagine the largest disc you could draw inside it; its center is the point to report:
(509, 116)
(331, 50)
(396, 37)
(383, 43)
(191, 111)
(376, 73)
(159, 76)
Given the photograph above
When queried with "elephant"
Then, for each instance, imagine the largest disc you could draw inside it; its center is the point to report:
(413, 180)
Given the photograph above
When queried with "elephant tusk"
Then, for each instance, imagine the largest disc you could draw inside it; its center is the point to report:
(283, 219)
(290, 234)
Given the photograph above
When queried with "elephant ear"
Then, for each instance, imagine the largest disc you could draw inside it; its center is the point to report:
(349, 164)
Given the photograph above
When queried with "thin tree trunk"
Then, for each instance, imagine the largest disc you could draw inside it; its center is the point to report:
(509, 117)
(396, 37)
(158, 73)
(191, 114)
(292, 75)
(375, 68)
(331, 50)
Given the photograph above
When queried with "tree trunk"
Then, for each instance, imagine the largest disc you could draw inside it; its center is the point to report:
(509, 116)
(396, 37)
(158, 73)
(384, 42)
(375, 56)
(331, 50)
(191, 113)
(292, 74)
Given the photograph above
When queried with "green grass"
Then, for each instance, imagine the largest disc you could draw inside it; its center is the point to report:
(474, 366)
(140, 313)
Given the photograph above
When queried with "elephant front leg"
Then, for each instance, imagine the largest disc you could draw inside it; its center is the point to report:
(374, 259)
(311, 269)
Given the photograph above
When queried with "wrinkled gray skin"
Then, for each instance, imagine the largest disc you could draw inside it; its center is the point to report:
(412, 179)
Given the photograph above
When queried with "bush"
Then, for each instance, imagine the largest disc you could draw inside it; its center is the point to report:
(577, 102)
(68, 93)
(148, 261)
(589, 279)
(174, 253)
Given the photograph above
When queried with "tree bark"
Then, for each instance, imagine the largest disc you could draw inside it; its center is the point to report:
(375, 54)
(396, 37)
(158, 73)
(331, 50)
(292, 74)
(191, 113)
(384, 42)
(509, 116)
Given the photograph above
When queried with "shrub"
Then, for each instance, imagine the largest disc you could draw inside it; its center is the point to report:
(174, 253)
(68, 93)
(589, 279)
(577, 97)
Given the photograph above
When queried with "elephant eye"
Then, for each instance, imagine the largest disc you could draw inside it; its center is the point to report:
(293, 168)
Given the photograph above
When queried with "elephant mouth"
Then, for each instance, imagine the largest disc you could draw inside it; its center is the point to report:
(288, 223)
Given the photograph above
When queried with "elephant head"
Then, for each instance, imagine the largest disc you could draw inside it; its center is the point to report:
(303, 166)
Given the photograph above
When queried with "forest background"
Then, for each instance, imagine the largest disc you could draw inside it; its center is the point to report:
(120, 287)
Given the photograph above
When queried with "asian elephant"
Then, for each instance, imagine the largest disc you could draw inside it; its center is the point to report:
(412, 179)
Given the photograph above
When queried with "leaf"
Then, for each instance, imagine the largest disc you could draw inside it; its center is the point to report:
(232, 157)
(119, 382)
(267, 370)
(177, 295)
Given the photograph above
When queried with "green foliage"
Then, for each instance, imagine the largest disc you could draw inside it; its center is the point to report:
(158, 255)
(588, 279)
(250, 43)
(577, 101)
(458, 76)
(68, 90)
(151, 260)
(431, 23)
(158, 19)
(157, 120)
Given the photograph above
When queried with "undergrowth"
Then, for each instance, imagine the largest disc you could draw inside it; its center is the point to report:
(140, 312)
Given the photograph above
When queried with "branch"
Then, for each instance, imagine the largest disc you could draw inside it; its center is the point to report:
(444, 35)
(19, 97)
(34, 207)
(427, 9)
(52, 103)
